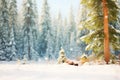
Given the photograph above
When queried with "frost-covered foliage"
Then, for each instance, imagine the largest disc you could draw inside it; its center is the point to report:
(117, 26)
(45, 25)
(36, 25)
(94, 23)
(82, 31)
(13, 26)
(24, 36)
(65, 35)
(72, 36)
(66, 38)
(19, 32)
(71, 22)
(50, 46)
(53, 39)
(5, 44)
(59, 34)
(62, 56)
(28, 30)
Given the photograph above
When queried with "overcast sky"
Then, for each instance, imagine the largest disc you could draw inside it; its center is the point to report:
(56, 5)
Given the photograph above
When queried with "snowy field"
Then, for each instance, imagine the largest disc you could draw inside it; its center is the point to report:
(37, 71)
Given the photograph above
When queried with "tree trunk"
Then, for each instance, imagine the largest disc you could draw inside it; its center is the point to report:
(106, 32)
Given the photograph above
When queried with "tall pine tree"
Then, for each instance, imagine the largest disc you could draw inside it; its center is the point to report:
(71, 33)
(36, 26)
(54, 37)
(13, 25)
(82, 31)
(28, 28)
(59, 34)
(102, 14)
(45, 24)
(5, 47)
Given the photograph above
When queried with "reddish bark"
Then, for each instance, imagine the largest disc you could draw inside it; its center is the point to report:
(106, 33)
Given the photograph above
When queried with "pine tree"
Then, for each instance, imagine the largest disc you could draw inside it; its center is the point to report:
(19, 32)
(19, 37)
(66, 39)
(35, 31)
(35, 9)
(28, 28)
(82, 31)
(59, 34)
(72, 24)
(54, 37)
(117, 25)
(71, 33)
(73, 46)
(60, 30)
(4, 32)
(45, 24)
(13, 26)
(101, 14)
(50, 46)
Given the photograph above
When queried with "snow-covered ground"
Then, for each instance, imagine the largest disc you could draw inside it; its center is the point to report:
(37, 71)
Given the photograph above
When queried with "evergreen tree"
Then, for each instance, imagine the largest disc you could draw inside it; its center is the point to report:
(82, 31)
(35, 9)
(102, 13)
(71, 33)
(19, 42)
(54, 37)
(50, 46)
(35, 31)
(19, 36)
(59, 34)
(72, 24)
(5, 47)
(60, 30)
(28, 28)
(117, 25)
(19, 32)
(66, 40)
(45, 24)
(73, 46)
(13, 26)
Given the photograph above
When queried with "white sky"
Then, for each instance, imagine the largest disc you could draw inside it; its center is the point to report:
(56, 5)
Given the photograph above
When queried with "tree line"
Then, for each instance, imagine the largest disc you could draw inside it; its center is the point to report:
(24, 35)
